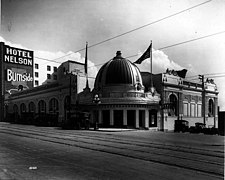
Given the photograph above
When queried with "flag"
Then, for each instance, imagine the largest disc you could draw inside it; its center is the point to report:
(86, 59)
(182, 73)
(145, 55)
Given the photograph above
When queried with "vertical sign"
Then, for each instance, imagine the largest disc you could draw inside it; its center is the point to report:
(16, 72)
(18, 69)
(1, 83)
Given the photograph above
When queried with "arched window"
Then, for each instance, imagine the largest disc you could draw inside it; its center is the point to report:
(31, 107)
(67, 102)
(53, 105)
(210, 108)
(173, 106)
(41, 106)
(23, 108)
(15, 108)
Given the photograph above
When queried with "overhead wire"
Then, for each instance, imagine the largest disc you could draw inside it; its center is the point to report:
(180, 43)
(135, 29)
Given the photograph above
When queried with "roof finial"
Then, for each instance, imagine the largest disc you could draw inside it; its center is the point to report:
(118, 54)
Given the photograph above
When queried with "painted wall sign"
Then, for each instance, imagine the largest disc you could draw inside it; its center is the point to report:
(17, 68)
(18, 56)
(14, 76)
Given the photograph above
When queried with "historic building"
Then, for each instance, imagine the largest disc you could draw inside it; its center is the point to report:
(183, 99)
(122, 97)
(51, 100)
(122, 100)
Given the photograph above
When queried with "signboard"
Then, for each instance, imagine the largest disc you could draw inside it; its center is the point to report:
(18, 56)
(17, 65)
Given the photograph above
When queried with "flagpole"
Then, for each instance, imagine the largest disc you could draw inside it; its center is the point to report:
(86, 62)
(151, 65)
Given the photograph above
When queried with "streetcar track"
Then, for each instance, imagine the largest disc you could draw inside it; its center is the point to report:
(141, 144)
(107, 151)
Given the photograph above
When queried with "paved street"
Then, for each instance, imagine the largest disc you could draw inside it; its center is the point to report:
(29, 152)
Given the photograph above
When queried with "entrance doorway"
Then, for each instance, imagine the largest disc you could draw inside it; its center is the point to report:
(153, 118)
(141, 118)
(118, 118)
(106, 118)
(131, 118)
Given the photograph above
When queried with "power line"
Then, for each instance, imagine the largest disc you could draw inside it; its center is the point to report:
(135, 29)
(192, 40)
(184, 42)
(173, 46)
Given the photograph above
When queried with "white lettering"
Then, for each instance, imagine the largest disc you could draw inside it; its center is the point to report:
(19, 52)
(9, 75)
(8, 51)
(14, 52)
(28, 54)
(29, 62)
(7, 58)
(13, 76)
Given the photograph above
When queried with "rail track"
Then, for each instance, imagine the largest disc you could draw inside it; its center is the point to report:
(201, 160)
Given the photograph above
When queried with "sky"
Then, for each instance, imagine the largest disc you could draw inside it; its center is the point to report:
(56, 28)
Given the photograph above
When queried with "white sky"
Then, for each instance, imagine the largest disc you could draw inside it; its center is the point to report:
(53, 28)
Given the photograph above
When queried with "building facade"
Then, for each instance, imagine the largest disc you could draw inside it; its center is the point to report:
(16, 72)
(124, 102)
(185, 100)
(50, 100)
(122, 97)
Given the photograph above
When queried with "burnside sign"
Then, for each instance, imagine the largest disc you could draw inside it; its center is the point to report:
(16, 67)
(18, 56)
(14, 76)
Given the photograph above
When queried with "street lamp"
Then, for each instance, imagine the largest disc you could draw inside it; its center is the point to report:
(97, 101)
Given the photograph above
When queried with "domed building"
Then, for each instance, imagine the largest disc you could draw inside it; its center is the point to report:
(119, 98)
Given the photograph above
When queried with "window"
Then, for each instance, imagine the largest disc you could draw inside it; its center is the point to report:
(210, 108)
(55, 69)
(36, 66)
(48, 76)
(15, 108)
(36, 83)
(185, 109)
(41, 106)
(31, 107)
(36, 74)
(48, 68)
(174, 105)
(199, 110)
(22, 108)
(53, 105)
(55, 77)
(192, 110)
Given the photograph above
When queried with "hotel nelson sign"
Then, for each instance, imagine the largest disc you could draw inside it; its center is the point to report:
(18, 68)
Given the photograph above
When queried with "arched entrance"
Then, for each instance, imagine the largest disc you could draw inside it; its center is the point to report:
(173, 111)
(153, 118)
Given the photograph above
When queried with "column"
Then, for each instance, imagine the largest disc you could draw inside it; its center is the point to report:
(159, 119)
(137, 119)
(216, 112)
(196, 109)
(146, 125)
(124, 117)
(180, 105)
(189, 108)
(111, 117)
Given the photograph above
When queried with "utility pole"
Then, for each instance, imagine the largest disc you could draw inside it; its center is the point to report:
(2, 81)
(201, 77)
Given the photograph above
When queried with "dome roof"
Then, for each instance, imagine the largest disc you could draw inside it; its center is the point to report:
(118, 71)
